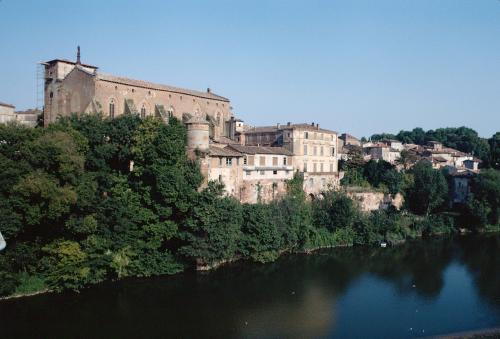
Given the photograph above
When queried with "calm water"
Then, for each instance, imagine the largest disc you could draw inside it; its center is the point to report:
(419, 289)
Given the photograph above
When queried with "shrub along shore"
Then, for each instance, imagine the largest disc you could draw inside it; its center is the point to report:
(74, 214)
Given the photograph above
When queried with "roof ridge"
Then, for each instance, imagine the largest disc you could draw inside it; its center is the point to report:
(147, 84)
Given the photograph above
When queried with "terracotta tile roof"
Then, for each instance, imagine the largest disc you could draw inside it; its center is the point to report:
(464, 174)
(261, 150)
(226, 141)
(223, 152)
(439, 159)
(6, 105)
(150, 85)
(308, 127)
(261, 129)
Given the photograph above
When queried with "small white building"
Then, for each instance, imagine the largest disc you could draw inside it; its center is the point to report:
(7, 112)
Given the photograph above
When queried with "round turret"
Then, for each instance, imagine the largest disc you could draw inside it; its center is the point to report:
(197, 134)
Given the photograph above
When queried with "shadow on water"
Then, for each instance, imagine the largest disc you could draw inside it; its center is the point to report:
(325, 294)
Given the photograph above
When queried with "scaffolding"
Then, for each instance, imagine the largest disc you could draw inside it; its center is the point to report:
(40, 85)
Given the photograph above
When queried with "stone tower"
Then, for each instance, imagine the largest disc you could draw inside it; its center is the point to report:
(197, 134)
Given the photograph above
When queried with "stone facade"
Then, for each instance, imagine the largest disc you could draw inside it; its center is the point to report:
(78, 88)
(265, 172)
(314, 151)
(255, 170)
(374, 201)
(249, 174)
(6, 113)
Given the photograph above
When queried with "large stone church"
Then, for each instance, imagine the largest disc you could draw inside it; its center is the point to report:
(74, 87)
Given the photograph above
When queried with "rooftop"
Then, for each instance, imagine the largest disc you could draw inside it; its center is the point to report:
(223, 152)
(7, 105)
(160, 87)
(261, 150)
(280, 127)
(68, 62)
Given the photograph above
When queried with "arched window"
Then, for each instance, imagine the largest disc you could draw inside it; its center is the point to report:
(112, 108)
(143, 111)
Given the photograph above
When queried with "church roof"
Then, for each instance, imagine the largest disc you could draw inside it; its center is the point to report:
(150, 85)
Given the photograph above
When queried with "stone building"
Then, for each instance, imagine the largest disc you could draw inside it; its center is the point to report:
(250, 174)
(7, 112)
(28, 118)
(314, 151)
(381, 151)
(74, 87)
(265, 171)
(348, 139)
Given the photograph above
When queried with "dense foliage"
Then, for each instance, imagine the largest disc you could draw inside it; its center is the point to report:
(91, 199)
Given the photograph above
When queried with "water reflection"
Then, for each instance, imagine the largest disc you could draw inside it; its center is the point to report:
(367, 292)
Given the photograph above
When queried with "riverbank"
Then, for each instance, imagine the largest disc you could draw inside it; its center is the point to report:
(490, 333)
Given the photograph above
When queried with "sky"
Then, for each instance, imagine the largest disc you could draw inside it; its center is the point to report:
(357, 66)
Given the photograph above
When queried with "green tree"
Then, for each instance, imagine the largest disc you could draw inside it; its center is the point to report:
(494, 143)
(261, 239)
(335, 211)
(428, 191)
(213, 227)
(485, 201)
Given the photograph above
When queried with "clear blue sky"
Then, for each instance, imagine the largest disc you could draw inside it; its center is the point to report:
(354, 66)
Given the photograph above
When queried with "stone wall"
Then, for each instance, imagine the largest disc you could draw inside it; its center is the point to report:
(264, 191)
(373, 201)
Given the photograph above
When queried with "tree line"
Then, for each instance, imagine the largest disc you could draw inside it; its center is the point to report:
(90, 199)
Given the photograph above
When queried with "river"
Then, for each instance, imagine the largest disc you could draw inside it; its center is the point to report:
(422, 288)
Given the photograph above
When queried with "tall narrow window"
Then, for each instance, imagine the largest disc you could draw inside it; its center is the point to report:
(306, 135)
(112, 109)
(143, 112)
(305, 149)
